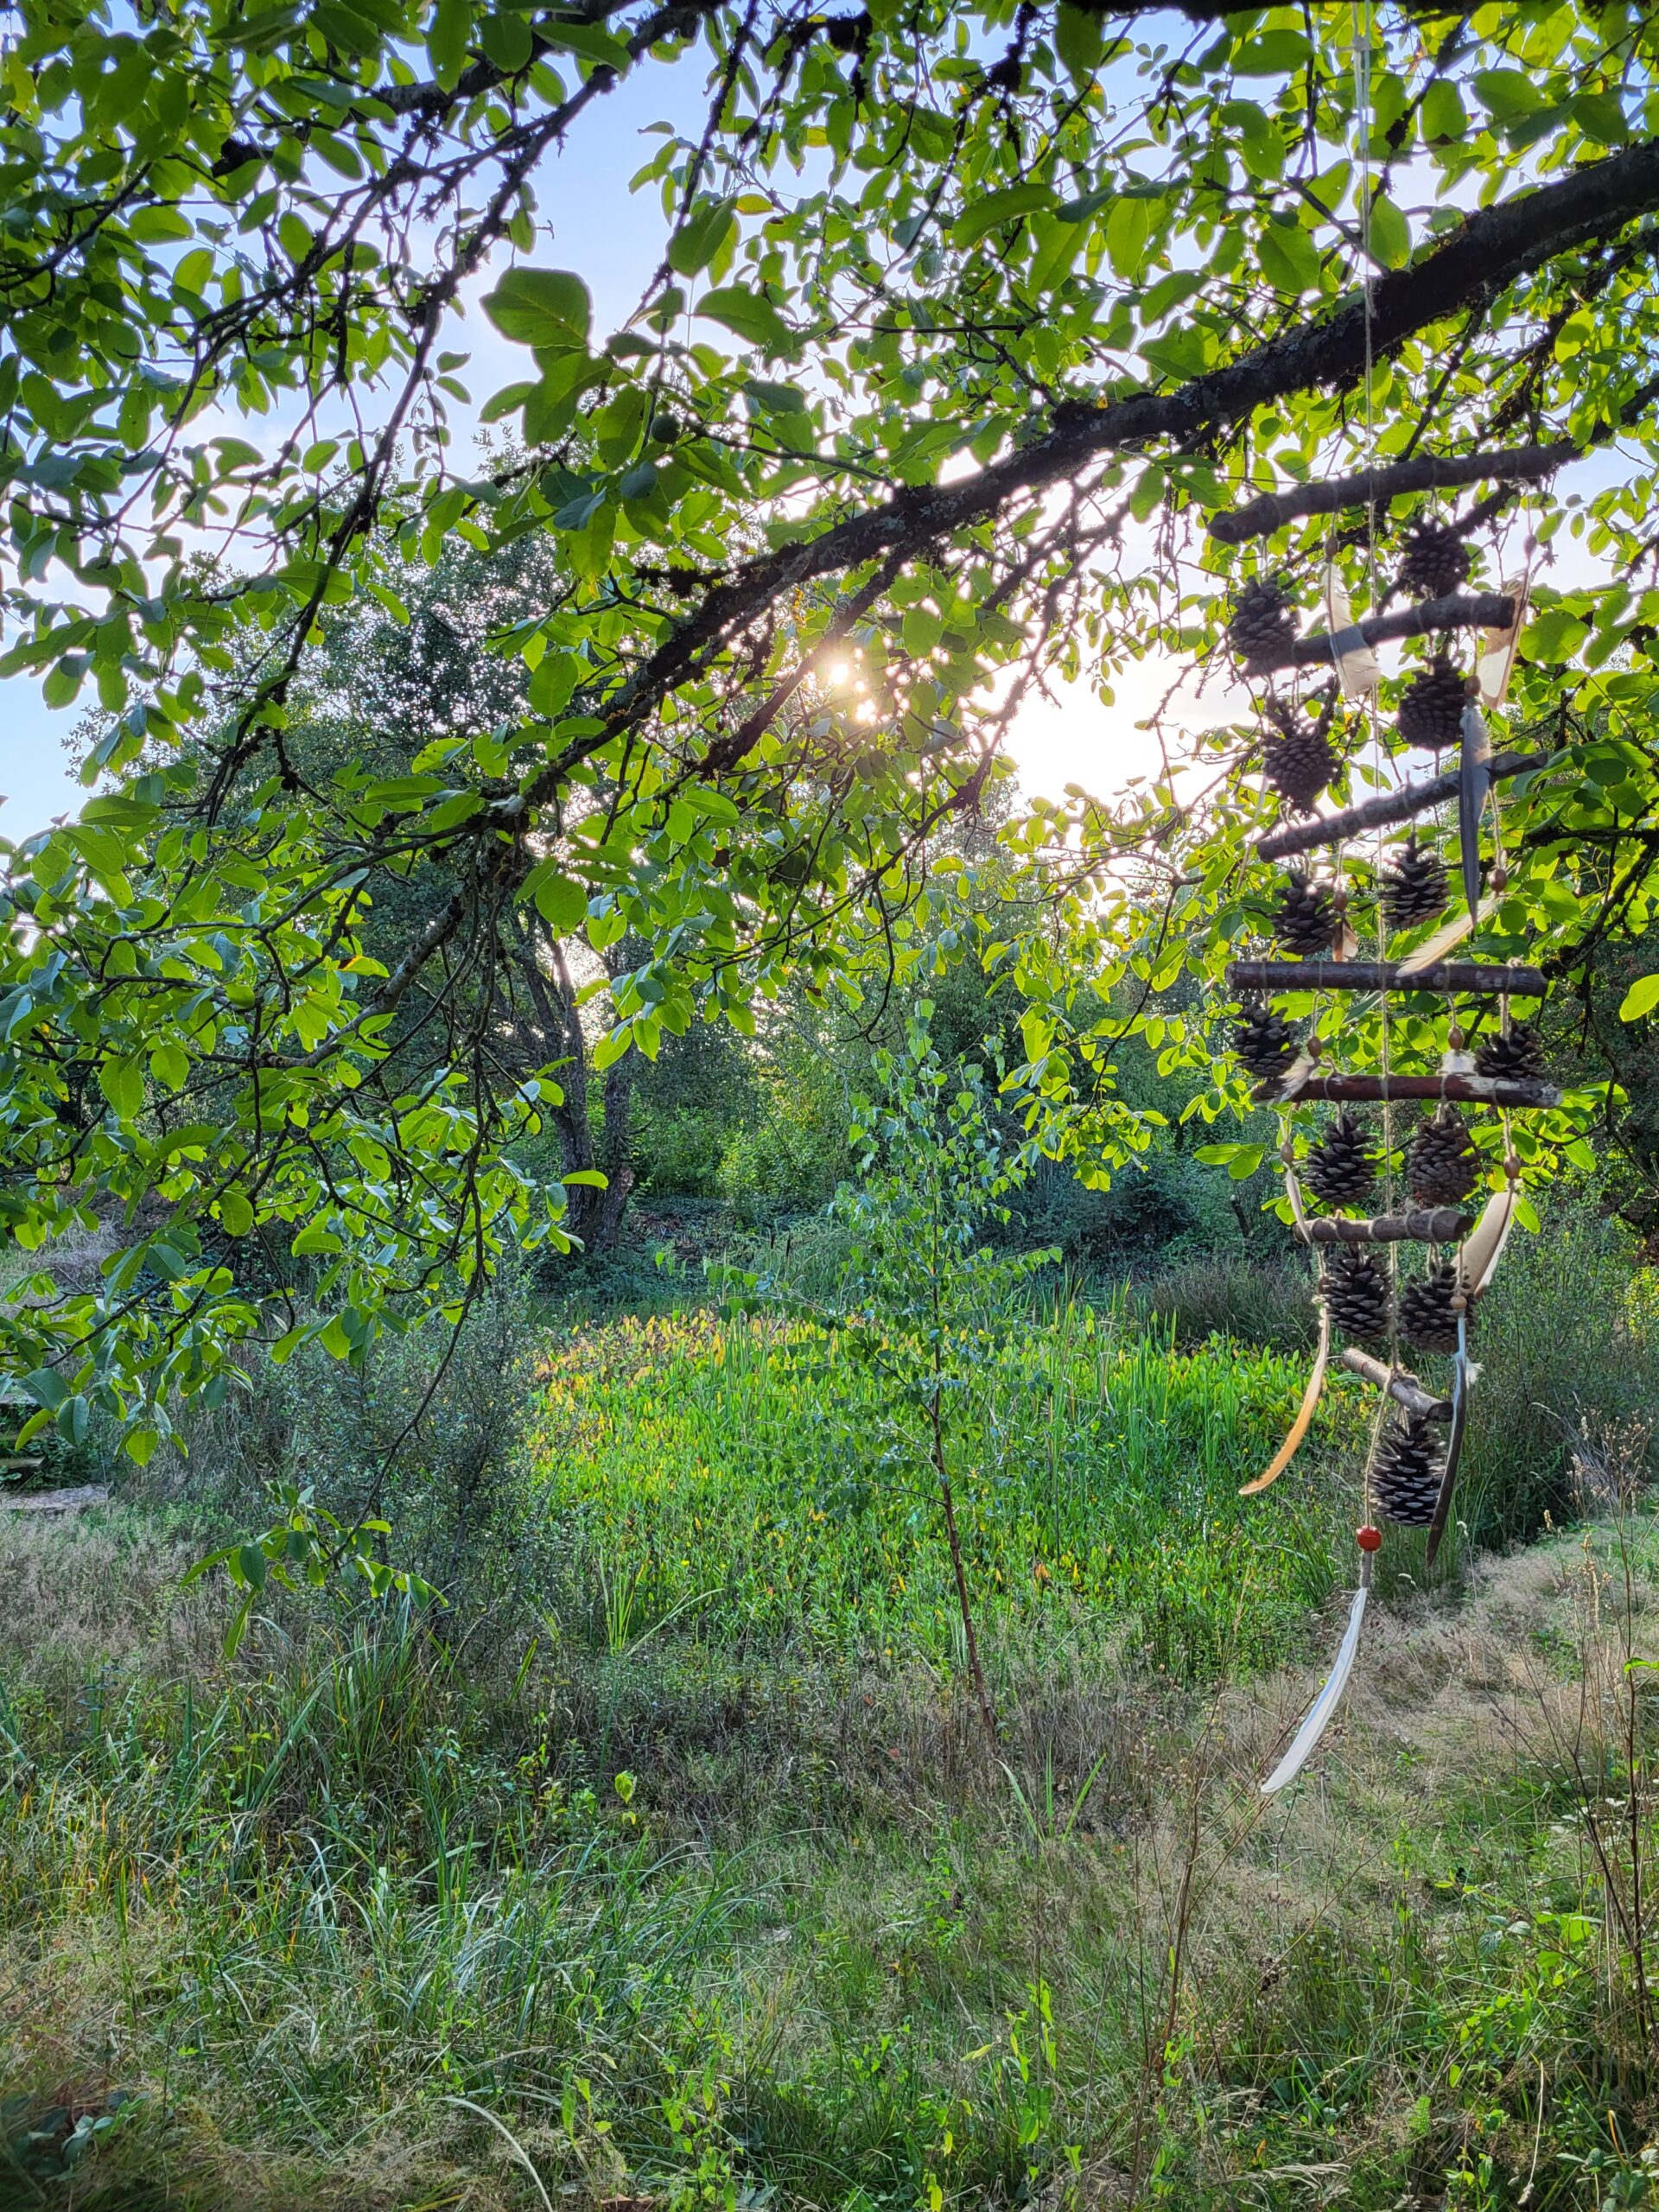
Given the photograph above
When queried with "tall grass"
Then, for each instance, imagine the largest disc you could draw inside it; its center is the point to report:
(339, 1915)
(722, 1470)
(685, 1869)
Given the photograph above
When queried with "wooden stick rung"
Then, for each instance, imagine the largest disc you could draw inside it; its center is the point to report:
(1473, 976)
(1388, 808)
(1358, 1089)
(1421, 1225)
(1405, 1390)
(1484, 610)
(1260, 516)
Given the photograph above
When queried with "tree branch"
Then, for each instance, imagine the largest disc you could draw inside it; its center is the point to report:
(1489, 251)
(1374, 487)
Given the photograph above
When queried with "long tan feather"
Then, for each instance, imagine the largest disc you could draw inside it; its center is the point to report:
(1453, 933)
(1482, 1247)
(1291, 1443)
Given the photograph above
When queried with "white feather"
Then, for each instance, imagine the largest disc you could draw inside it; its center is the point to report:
(1443, 939)
(1497, 649)
(1319, 1714)
(1358, 670)
(1298, 1210)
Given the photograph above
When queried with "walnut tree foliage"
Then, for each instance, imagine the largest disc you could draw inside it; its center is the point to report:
(969, 315)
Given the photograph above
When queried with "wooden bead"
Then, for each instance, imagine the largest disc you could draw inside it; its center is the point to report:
(1369, 1539)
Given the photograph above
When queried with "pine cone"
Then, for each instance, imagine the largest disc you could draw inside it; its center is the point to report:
(1305, 922)
(1262, 628)
(1431, 708)
(1341, 1168)
(1414, 890)
(1513, 1056)
(1354, 1283)
(1406, 1476)
(1264, 1040)
(1299, 765)
(1445, 1165)
(1436, 562)
(1427, 1322)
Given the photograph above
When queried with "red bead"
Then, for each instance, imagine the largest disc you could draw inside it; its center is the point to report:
(1369, 1538)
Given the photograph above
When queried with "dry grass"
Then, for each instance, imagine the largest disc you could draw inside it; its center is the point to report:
(897, 1895)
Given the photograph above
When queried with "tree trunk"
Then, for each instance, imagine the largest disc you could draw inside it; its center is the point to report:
(549, 1030)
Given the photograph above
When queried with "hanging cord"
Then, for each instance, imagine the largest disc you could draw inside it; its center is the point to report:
(1362, 124)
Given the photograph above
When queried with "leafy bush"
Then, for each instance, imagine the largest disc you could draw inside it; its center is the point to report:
(426, 1432)
(1234, 1296)
(1568, 1334)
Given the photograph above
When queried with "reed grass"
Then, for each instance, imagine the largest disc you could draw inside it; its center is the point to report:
(722, 1467)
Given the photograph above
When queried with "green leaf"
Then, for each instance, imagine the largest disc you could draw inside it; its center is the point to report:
(775, 399)
(591, 1177)
(235, 1213)
(238, 1627)
(1290, 260)
(1506, 93)
(1442, 116)
(1641, 999)
(1128, 227)
(1553, 636)
(1080, 39)
(1390, 234)
(505, 38)
(1276, 53)
(549, 309)
(749, 315)
(696, 243)
(997, 209)
(122, 1083)
(447, 39)
(1600, 116)
(561, 902)
(47, 1387)
(588, 40)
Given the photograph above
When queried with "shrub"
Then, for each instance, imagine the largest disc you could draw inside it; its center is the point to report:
(425, 1434)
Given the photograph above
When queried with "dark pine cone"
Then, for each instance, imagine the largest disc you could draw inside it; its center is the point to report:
(1414, 890)
(1305, 922)
(1341, 1168)
(1405, 1477)
(1262, 628)
(1354, 1283)
(1427, 1322)
(1431, 708)
(1515, 1056)
(1445, 1165)
(1436, 562)
(1264, 1040)
(1299, 765)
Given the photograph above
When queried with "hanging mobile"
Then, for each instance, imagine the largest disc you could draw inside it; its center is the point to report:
(1417, 1445)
